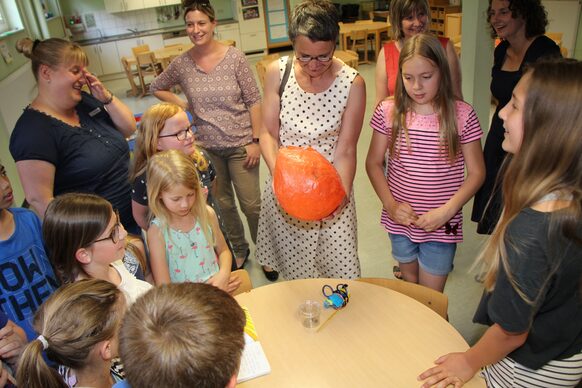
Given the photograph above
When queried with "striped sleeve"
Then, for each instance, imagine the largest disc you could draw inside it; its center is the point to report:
(378, 120)
(468, 123)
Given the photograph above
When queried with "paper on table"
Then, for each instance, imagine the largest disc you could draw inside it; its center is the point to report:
(253, 363)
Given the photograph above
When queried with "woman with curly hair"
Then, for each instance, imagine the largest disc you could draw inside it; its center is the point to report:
(521, 25)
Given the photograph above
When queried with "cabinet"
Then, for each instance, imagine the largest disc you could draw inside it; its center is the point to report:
(124, 46)
(159, 3)
(453, 24)
(251, 23)
(228, 32)
(438, 16)
(123, 5)
(103, 58)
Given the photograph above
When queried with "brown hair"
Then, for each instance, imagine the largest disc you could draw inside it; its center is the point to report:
(430, 48)
(317, 20)
(52, 52)
(548, 160)
(400, 9)
(532, 12)
(73, 221)
(182, 335)
(203, 6)
(72, 320)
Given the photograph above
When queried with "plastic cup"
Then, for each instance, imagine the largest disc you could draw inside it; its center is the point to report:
(309, 312)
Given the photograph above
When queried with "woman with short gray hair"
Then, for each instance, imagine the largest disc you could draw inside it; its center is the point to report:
(320, 105)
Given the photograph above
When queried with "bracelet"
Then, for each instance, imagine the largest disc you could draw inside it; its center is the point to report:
(256, 140)
(108, 101)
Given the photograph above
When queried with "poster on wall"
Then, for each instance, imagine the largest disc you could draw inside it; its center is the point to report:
(250, 13)
(249, 3)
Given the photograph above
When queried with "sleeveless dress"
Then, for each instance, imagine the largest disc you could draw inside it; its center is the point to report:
(189, 255)
(502, 84)
(310, 249)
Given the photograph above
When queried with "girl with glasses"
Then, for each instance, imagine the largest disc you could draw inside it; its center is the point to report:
(321, 106)
(85, 239)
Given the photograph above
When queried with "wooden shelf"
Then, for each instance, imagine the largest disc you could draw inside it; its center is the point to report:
(438, 16)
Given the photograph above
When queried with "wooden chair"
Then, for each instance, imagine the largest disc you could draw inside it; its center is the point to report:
(147, 65)
(140, 49)
(359, 40)
(261, 67)
(246, 284)
(131, 74)
(434, 300)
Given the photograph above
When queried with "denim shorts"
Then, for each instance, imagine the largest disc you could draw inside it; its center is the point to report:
(434, 257)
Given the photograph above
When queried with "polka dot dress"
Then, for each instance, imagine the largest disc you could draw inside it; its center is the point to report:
(304, 249)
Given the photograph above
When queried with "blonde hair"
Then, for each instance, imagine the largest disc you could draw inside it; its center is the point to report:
(72, 320)
(548, 161)
(146, 142)
(52, 52)
(171, 168)
(182, 335)
(400, 9)
(430, 48)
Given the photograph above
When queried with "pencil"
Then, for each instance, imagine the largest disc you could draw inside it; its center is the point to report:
(326, 321)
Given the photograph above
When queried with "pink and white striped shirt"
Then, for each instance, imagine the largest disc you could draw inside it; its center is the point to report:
(422, 175)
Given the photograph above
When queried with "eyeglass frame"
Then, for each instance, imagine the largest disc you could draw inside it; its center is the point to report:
(320, 58)
(114, 231)
(191, 128)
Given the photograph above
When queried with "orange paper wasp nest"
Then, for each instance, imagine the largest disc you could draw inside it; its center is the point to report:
(307, 186)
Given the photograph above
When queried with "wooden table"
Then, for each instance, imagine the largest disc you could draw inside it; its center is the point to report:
(348, 57)
(380, 339)
(375, 28)
(164, 55)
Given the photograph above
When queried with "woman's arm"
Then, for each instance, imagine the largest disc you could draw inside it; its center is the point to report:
(269, 134)
(401, 213)
(221, 278)
(119, 112)
(346, 150)
(253, 149)
(458, 368)
(37, 178)
(455, 67)
(140, 214)
(158, 260)
(162, 84)
(473, 154)
(381, 78)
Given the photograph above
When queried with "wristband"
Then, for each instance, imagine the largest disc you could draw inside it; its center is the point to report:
(108, 101)
(256, 140)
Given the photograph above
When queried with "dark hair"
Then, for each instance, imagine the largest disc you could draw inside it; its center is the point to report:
(52, 52)
(182, 335)
(316, 19)
(73, 221)
(531, 11)
(203, 6)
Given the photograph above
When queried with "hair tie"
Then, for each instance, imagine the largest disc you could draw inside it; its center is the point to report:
(35, 43)
(43, 341)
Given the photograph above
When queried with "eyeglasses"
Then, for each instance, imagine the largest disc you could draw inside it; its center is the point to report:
(183, 134)
(319, 58)
(114, 235)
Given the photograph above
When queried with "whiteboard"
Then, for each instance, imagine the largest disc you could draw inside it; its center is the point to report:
(563, 16)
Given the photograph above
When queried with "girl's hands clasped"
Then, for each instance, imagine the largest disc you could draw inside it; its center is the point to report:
(403, 213)
(433, 219)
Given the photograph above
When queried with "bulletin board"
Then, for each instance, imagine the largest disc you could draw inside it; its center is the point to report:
(277, 12)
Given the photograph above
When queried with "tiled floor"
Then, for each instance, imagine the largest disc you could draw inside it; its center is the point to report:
(374, 249)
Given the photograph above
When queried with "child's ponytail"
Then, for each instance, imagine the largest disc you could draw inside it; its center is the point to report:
(33, 371)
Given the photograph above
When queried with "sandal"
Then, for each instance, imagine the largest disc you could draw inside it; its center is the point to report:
(396, 272)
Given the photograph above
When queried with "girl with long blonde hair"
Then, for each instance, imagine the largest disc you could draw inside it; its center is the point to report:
(532, 300)
(184, 238)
